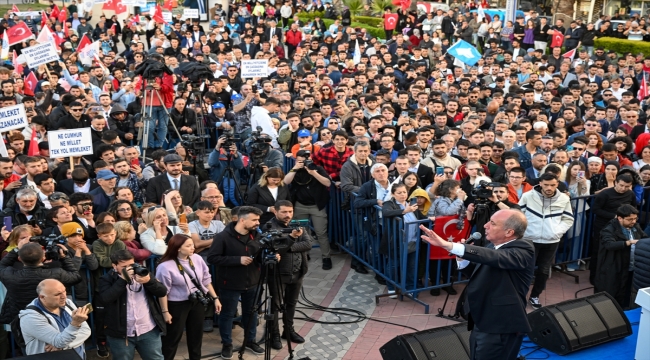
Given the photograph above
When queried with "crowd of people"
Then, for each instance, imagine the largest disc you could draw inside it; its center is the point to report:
(393, 123)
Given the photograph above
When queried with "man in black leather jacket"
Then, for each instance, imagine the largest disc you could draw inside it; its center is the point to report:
(22, 276)
(122, 296)
(292, 268)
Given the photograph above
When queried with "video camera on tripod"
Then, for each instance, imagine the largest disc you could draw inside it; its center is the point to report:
(230, 139)
(483, 191)
(259, 144)
(272, 240)
(192, 143)
(50, 243)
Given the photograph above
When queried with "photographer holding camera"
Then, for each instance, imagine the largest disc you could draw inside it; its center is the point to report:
(189, 296)
(21, 281)
(136, 321)
(225, 154)
(310, 192)
(292, 268)
(235, 252)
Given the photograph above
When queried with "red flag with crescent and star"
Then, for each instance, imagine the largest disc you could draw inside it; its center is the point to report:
(33, 144)
(114, 5)
(558, 39)
(168, 5)
(85, 41)
(55, 12)
(14, 9)
(446, 228)
(157, 15)
(18, 68)
(43, 18)
(390, 21)
(18, 33)
(643, 89)
(30, 84)
(63, 16)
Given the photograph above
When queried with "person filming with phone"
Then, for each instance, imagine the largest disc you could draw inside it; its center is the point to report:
(52, 322)
(292, 268)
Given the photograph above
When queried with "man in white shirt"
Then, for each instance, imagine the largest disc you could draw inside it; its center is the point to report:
(260, 116)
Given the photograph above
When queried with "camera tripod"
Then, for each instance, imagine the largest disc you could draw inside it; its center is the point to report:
(195, 96)
(147, 110)
(265, 306)
(225, 184)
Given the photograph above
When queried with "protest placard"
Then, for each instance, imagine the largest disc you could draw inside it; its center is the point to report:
(12, 117)
(140, 3)
(40, 54)
(24, 14)
(168, 16)
(191, 13)
(254, 68)
(73, 142)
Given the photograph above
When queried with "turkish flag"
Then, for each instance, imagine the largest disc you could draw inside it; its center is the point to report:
(569, 54)
(18, 68)
(390, 21)
(30, 84)
(114, 29)
(33, 144)
(43, 19)
(63, 16)
(55, 12)
(14, 9)
(114, 5)
(135, 20)
(446, 228)
(85, 41)
(19, 33)
(168, 5)
(157, 15)
(558, 39)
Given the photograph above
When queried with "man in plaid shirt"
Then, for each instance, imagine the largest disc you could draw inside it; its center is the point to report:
(332, 158)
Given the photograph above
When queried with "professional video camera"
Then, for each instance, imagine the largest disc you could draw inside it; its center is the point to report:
(137, 270)
(483, 192)
(259, 145)
(192, 143)
(50, 243)
(151, 69)
(195, 72)
(230, 138)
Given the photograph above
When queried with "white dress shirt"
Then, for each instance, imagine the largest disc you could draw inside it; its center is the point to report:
(458, 249)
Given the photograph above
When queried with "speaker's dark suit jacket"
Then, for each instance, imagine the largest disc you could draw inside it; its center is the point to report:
(498, 284)
(189, 189)
(261, 198)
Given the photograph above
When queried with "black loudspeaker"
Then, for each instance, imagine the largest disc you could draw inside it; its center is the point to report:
(445, 343)
(578, 324)
(69, 354)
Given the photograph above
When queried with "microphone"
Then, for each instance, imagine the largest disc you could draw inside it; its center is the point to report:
(475, 236)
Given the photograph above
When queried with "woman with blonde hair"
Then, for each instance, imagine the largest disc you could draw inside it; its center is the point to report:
(269, 189)
(126, 232)
(158, 232)
(12, 238)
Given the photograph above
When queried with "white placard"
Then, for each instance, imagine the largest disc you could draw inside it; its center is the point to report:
(191, 13)
(254, 68)
(33, 14)
(12, 117)
(168, 16)
(140, 3)
(66, 143)
(99, 1)
(40, 54)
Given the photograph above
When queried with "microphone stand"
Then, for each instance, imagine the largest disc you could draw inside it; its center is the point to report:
(456, 315)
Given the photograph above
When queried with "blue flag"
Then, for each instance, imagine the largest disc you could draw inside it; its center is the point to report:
(465, 52)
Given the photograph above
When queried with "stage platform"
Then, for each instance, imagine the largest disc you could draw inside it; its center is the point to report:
(622, 349)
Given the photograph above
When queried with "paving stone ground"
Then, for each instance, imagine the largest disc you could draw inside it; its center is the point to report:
(343, 287)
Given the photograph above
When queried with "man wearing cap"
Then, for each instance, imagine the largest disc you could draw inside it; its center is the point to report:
(219, 119)
(104, 194)
(173, 179)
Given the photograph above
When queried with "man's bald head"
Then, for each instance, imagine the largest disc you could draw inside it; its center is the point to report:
(505, 225)
(48, 285)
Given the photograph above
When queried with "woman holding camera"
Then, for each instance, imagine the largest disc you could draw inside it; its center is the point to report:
(189, 296)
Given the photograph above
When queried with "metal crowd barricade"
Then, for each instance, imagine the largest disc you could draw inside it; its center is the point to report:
(574, 246)
(360, 232)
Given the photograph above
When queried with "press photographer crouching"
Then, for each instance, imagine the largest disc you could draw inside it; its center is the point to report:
(310, 192)
(292, 268)
(135, 321)
(52, 322)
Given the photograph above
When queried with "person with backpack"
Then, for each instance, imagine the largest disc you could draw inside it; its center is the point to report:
(52, 322)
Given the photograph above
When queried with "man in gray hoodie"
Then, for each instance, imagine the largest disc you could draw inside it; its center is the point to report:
(52, 321)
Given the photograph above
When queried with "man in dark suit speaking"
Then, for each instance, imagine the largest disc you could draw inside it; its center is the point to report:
(499, 277)
(174, 179)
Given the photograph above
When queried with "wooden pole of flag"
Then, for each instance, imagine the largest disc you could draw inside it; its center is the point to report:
(71, 163)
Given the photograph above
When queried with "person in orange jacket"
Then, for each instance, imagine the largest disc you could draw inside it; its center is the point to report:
(517, 185)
